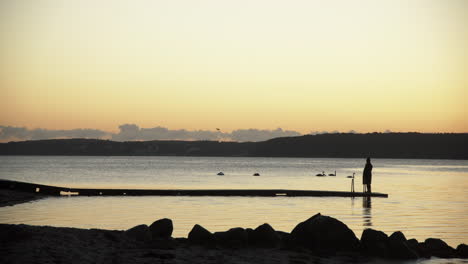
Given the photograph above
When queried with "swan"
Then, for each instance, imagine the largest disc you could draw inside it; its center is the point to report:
(220, 173)
(321, 174)
(332, 174)
(256, 174)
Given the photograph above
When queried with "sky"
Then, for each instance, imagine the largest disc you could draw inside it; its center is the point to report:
(297, 65)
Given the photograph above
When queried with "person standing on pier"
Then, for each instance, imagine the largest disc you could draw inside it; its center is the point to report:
(367, 176)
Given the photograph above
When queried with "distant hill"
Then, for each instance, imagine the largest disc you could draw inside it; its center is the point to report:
(341, 145)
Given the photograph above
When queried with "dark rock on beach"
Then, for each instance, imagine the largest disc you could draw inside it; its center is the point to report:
(161, 229)
(320, 239)
(374, 243)
(377, 244)
(324, 233)
(413, 244)
(398, 247)
(234, 238)
(264, 236)
(462, 251)
(286, 239)
(398, 236)
(200, 235)
(437, 248)
(140, 233)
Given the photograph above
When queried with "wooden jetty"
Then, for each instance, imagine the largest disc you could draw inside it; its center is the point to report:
(59, 191)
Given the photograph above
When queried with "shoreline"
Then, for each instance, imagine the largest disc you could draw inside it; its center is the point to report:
(319, 239)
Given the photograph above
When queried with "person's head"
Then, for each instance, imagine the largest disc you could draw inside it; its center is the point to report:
(368, 160)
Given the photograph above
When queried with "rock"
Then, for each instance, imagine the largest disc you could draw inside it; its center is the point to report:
(250, 237)
(161, 229)
(234, 238)
(158, 255)
(399, 249)
(283, 235)
(374, 243)
(286, 240)
(165, 243)
(199, 235)
(423, 251)
(139, 233)
(324, 233)
(264, 236)
(398, 235)
(181, 241)
(414, 245)
(462, 251)
(438, 248)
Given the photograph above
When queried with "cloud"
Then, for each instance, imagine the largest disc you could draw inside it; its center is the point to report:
(332, 132)
(131, 132)
(22, 133)
(261, 135)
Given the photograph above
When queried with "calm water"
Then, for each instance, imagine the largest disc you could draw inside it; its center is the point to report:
(427, 198)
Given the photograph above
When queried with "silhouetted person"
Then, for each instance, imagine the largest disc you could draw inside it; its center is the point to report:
(367, 176)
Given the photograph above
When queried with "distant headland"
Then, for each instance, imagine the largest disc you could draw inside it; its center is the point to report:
(339, 145)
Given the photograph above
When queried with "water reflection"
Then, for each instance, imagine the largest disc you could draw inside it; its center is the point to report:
(366, 211)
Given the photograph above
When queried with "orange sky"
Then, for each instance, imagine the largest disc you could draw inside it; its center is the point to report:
(310, 65)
